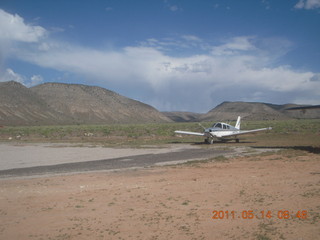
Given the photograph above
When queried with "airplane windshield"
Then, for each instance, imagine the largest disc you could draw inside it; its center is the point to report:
(217, 125)
(221, 125)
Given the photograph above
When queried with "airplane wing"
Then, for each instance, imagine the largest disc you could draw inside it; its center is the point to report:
(236, 133)
(190, 133)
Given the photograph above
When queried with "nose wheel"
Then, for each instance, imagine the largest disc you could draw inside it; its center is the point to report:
(208, 140)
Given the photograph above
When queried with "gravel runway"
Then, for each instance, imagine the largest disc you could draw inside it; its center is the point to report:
(47, 159)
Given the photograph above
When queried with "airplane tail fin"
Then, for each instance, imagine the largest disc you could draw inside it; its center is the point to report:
(237, 126)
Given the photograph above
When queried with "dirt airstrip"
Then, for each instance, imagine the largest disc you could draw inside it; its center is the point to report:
(264, 196)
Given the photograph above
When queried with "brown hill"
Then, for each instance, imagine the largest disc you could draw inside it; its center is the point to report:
(20, 106)
(183, 116)
(228, 111)
(92, 105)
(256, 111)
(57, 103)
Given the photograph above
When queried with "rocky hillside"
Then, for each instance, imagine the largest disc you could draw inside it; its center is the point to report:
(20, 106)
(256, 111)
(183, 116)
(228, 111)
(57, 103)
(247, 110)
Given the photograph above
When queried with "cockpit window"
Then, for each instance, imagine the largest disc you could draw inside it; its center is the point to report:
(221, 125)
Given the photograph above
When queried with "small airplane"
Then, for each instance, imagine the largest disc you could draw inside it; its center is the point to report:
(223, 131)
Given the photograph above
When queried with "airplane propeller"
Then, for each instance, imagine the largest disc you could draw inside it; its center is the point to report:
(201, 126)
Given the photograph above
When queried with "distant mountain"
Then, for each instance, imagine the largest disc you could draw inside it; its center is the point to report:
(58, 103)
(183, 116)
(228, 111)
(247, 110)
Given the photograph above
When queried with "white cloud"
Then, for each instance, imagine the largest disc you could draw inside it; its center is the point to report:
(315, 78)
(10, 75)
(13, 28)
(233, 65)
(35, 80)
(173, 8)
(234, 46)
(242, 67)
(185, 43)
(308, 4)
(192, 38)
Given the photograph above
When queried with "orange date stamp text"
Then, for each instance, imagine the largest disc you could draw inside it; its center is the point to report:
(264, 214)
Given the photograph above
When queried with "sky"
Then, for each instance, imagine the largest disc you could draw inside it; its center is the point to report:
(176, 55)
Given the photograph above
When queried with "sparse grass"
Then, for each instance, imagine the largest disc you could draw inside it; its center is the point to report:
(198, 163)
(242, 192)
(315, 217)
(262, 237)
(290, 133)
(220, 159)
(311, 193)
(265, 229)
(186, 202)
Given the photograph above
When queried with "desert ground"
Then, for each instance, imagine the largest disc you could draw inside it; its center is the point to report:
(263, 195)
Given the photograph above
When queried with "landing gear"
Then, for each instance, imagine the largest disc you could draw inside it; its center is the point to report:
(209, 140)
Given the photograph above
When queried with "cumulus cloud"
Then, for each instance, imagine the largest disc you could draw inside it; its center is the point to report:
(234, 46)
(13, 28)
(192, 38)
(181, 44)
(171, 7)
(315, 78)
(14, 31)
(308, 4)
(35, 80)
(238, 68)
(233, 65)
(10, 75)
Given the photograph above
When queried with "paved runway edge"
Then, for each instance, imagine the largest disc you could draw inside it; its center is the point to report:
(137, 161)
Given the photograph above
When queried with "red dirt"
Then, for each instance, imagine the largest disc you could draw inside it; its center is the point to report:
(172, 202)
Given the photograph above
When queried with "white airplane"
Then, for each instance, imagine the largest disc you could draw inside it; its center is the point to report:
(223, 132)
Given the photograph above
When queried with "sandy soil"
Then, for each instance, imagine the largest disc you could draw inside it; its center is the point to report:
(171, 202)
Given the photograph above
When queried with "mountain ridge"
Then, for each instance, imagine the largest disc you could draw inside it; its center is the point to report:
(68, 104)
(228, 111)
(61, 103)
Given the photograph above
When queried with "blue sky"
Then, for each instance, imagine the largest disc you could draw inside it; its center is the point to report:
(175, 55)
